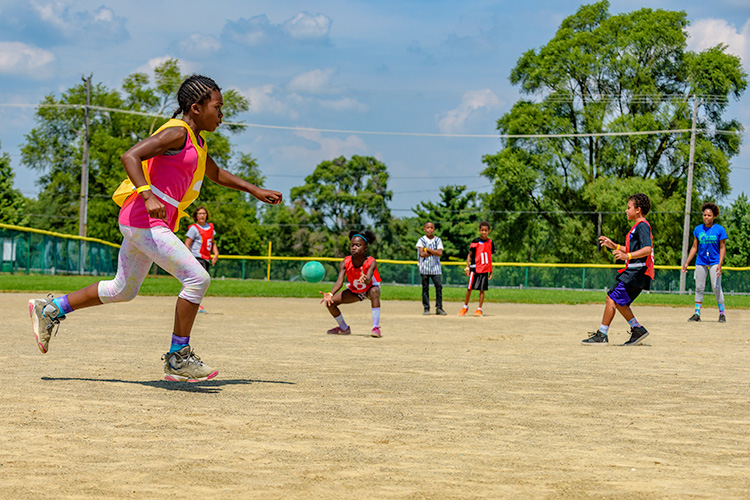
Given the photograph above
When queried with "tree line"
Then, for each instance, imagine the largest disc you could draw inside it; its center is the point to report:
(551, 196)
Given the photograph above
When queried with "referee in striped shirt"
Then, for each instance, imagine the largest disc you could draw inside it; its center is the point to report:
(430, 248)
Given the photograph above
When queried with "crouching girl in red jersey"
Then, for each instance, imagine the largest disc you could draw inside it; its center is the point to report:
(363, 282)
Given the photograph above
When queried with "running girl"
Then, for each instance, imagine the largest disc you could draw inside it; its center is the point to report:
(165, 172)
(363, 282)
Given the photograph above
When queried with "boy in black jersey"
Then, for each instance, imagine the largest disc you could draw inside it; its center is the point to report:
(638, 255)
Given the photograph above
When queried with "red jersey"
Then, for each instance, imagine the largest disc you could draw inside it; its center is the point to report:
(354, 273)
(639, 263)
(207, 240)
(480, 252)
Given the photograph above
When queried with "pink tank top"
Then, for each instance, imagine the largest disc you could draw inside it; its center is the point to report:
(170, 175)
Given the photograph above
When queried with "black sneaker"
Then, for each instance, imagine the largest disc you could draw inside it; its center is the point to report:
(722, 318)
(440, 312)
(426, 312)
(637, 334)
(695, 317)
(596, 338)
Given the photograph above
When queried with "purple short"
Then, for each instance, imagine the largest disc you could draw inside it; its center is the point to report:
(623, 294)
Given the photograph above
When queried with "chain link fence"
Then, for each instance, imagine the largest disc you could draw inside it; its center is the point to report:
(26, 250)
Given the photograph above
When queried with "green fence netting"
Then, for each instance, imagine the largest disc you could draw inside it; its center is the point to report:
(26, 250)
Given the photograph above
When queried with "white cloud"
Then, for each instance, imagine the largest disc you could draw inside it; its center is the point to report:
(263, 100)
(104, 15)
(344, 104)
(260, 31)
(102, 24)
(328, 148)
(19, 58)
(305, 26)
(706, 33)
(200, 44)
(313, 81)
(472, 101)
(185, 66)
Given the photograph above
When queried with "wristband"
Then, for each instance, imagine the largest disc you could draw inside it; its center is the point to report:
(628, 255)
(618, 247)
(143, 188)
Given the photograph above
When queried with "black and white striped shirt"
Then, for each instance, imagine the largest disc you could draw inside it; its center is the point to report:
(431, 263)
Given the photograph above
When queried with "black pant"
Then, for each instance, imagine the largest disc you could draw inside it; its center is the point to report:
(437, 279)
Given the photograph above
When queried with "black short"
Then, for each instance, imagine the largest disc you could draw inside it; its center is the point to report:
(205, 263)
(478, 281)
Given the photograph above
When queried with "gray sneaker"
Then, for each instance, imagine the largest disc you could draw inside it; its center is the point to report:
(44, 322)
(596, 338)
(185, 366)
(637, 334)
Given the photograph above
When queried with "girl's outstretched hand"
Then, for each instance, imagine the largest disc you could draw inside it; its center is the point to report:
(269, 196)
(327, 297)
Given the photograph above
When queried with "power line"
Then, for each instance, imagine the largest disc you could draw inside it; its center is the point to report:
(401, 134)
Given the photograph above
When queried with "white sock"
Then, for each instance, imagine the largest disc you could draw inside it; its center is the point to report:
(340, 320)
(375, 317)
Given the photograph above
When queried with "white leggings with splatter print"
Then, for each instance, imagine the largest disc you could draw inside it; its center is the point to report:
(141, 248)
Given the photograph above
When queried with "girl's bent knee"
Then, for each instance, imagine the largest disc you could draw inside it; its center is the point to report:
(195, 287)
(110, 292)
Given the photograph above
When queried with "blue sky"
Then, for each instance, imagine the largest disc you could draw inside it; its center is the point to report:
(433, 67)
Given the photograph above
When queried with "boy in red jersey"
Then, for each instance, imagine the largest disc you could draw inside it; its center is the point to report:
(479, 267)
(638, 254)
(363, 282)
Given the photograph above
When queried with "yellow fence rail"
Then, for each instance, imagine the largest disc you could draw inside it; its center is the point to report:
(33, 250)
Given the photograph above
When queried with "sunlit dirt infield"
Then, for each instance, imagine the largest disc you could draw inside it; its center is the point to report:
(510, 405)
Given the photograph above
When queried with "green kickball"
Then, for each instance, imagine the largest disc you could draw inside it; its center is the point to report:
(313, 272)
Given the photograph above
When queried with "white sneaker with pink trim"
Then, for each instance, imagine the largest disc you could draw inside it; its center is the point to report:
(186, 366)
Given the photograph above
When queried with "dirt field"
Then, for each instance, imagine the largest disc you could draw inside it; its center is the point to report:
(505, 406)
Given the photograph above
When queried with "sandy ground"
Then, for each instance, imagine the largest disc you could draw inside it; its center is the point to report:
(506, 406)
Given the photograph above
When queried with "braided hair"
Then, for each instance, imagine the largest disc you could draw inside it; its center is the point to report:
(194, 90)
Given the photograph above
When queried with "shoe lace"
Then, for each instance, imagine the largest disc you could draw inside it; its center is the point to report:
(194, 358)
(54, 322)
(594, 334)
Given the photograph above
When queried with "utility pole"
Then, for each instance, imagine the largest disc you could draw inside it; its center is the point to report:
(83, 210)
(689, 195)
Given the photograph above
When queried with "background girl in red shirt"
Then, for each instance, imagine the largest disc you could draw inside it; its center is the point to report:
(363, 282)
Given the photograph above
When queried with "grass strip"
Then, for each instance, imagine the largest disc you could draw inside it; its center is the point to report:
(165, 286)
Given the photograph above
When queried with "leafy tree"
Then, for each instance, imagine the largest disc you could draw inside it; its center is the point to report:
(12, 202)
(602, 73)
(54, 148)
(295, 232)
(737, 223)
(347, 194)
(233, 213)
(456, 218)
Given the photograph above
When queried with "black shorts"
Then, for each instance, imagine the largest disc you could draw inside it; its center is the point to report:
(478, 281)
(205, 263)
